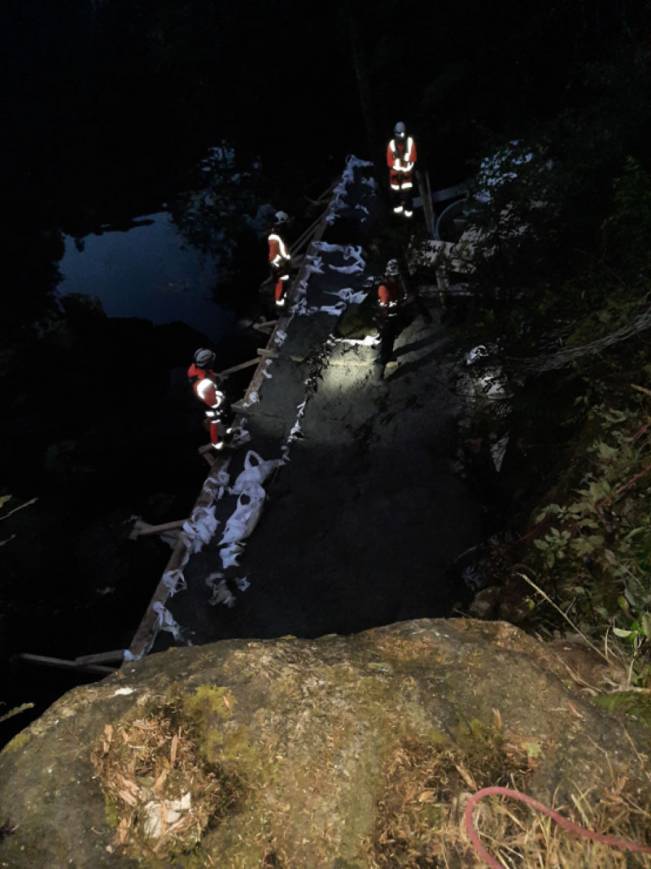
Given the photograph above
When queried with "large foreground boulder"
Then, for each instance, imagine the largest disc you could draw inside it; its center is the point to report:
(335, 752)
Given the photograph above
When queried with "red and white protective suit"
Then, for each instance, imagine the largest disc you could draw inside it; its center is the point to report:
(204, 385)
(279, 260)
(390, 294)
(401, 159)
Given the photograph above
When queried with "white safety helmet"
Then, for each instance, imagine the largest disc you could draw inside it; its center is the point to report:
(477, 353)
(204, 358)
(400, 131)
(281, 217)
(392, 269)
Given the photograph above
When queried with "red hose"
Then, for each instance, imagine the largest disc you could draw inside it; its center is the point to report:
(570, 826)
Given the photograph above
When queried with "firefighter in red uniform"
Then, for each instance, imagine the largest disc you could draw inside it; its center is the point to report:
(390, 297)
(398, 305)
(390, 291)
(401, 159)
(205, 385)
(279, 260)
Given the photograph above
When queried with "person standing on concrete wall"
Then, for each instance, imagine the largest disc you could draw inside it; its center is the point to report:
(205, 385)
(401, 159)
(279, 259)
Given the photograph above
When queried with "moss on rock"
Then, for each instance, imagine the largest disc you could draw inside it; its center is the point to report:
(20, 740)
(301, 737)
(636, 704)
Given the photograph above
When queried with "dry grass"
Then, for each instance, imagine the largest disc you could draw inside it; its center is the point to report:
(160, 794)
(420, 817)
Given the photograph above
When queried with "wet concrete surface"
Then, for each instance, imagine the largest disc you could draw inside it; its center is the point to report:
(361, 526)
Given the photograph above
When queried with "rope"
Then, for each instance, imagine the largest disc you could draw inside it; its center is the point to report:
(565, 823)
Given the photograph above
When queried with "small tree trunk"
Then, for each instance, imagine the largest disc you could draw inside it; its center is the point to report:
(363, 80)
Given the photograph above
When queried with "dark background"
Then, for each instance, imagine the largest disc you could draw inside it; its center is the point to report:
(109, 101)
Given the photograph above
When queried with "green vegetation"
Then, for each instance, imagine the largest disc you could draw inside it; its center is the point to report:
(19, 741)
(627, 230)
(580, 483)
(594, 549)
(636, 704)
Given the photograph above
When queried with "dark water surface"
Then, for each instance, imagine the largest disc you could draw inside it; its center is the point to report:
(149, 271)
(115, 433)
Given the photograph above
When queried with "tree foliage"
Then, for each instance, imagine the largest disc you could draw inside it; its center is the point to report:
(627, 229)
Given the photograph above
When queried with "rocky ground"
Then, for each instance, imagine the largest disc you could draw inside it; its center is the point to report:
(342, 751)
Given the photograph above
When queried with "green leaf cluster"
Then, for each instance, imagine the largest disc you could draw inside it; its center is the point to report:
(595, 549)
(627, 229)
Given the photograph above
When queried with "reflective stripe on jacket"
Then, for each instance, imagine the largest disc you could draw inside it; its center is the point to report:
(277, 249)
(204, 385)
(401, 156)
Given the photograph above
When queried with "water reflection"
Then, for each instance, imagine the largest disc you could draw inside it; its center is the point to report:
(146, 269)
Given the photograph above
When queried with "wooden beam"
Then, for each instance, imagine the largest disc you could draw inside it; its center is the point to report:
(263, 327)
(145, 635)
(267, 354)
(641, 389)
(451, 192)
(325, 196)
(101, 657)
(429, 208)
(142, 529)
(62, 664)
(238, 407)
(22, 507)
(248, 364)
(425, 195)
(208, 453)
(306, 236)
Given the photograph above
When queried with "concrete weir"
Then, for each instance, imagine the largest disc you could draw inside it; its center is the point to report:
(339, 510)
